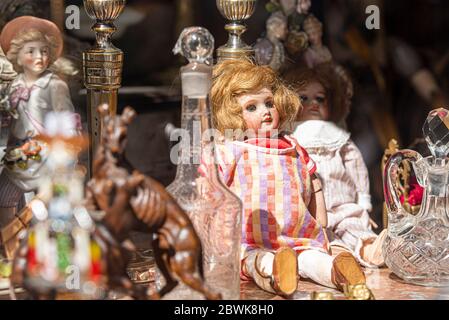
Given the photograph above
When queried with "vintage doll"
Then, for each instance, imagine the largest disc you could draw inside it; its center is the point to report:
(270, 50)
(283, 206)
(32, 45)
(339, 162)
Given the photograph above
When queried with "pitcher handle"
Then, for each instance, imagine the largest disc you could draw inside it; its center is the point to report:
(392, 171)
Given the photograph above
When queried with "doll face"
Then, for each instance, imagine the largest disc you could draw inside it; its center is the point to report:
(259, 112)
(314, 31)
(277, 28)
(314, 101)
(34, 58)
(303, 6)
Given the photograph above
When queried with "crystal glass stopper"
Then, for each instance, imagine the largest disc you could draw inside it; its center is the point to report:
(436, 132)
(196, 44)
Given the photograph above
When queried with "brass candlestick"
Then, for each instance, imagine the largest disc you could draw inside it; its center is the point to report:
(102, 66)
(236, 11)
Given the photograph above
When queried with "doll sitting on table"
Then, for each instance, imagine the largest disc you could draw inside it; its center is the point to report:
(32, 45)
(284, 214)
(339, 162)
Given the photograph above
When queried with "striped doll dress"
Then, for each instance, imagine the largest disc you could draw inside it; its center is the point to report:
(272, 178)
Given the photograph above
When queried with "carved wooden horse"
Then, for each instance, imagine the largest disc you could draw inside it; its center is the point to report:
(134, 201)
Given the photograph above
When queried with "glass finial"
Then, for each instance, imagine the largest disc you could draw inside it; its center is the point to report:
(196, 44)
(436, 132)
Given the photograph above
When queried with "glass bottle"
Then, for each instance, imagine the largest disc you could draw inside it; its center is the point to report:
(213, 209)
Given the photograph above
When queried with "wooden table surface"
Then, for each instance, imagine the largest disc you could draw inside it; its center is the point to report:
(384, 285)
(382, 282)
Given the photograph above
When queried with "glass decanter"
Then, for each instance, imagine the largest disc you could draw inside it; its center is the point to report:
(417, 247)
(213, 209)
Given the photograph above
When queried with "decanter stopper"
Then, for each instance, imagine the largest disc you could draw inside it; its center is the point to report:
(196, 44)
(436, 132)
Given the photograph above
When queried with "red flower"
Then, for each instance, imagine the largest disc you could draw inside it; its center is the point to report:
(415, 195)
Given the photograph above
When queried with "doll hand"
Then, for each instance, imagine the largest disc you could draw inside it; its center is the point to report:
(372, 250)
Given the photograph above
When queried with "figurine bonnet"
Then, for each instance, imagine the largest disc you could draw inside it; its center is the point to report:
(32, 45)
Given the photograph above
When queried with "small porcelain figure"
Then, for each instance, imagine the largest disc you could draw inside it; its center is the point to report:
(32, 45)
(270, 50)
(316, 53)
(340, 164)
(303, 6)
(284, 214)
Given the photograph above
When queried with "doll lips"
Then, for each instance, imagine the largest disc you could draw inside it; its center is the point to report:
(314, 109)
(269, 120)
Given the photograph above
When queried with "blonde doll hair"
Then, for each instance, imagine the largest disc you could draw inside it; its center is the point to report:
(26, 36)
(234, 78)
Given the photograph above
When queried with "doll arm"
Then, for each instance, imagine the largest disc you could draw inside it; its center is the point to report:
(60, 95)
(61, 101)
(226, 162)
(357, 171)
(317, 205)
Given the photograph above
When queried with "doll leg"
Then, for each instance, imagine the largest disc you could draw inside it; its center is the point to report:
(317, 266)
(275, 272)
(332, 272)
(11, 200)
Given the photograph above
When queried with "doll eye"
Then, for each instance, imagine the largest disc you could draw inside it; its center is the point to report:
(320, 99)
(45, 51)
(303, 98)
(251, 108)
(269, 104)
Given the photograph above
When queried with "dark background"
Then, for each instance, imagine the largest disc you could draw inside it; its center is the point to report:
(148, 31)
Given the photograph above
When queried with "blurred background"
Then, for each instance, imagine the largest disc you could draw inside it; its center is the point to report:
(400, 72)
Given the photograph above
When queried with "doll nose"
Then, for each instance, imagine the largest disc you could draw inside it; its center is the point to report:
(266, 111)
(314, 103)
(37, 55)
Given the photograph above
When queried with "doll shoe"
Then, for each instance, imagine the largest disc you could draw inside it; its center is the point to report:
(285, 272)
(346, 271)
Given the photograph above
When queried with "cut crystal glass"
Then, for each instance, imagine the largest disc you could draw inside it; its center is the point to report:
(417, 247)
(436, 132)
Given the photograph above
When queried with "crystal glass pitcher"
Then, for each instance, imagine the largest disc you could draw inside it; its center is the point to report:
(417, 247)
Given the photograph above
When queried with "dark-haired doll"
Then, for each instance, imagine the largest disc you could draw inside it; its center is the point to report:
(339, 162)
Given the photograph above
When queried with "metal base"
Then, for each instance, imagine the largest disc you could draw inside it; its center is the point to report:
(142, 269)
(226, 53)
